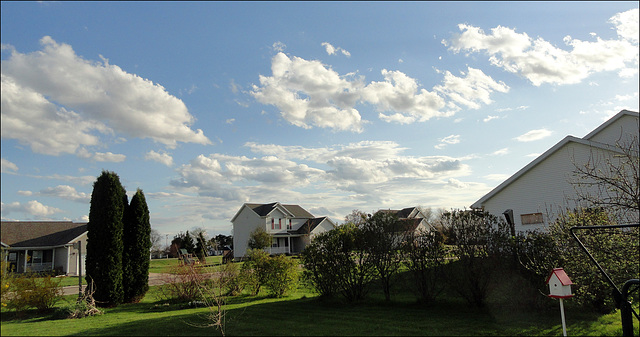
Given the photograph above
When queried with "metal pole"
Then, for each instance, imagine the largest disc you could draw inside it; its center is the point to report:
(564, 325)
(79, 269)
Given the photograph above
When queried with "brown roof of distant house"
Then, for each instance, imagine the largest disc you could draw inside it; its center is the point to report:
(40, 233)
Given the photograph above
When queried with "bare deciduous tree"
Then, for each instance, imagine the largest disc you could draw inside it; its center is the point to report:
(610, 178)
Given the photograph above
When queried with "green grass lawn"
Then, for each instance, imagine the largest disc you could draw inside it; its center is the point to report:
(303, 313)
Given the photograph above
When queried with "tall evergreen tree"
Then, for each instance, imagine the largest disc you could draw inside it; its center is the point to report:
(104, 239)
(137, 245)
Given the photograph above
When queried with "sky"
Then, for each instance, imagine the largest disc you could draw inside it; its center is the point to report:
(334, 106)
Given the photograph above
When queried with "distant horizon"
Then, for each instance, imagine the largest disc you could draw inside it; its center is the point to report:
(333, 106)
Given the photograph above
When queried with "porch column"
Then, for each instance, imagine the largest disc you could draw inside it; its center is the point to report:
(26, 257)
(53, 259)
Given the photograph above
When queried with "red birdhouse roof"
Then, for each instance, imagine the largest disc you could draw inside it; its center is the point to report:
(561, 275)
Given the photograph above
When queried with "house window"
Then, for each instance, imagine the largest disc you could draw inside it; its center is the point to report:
(280, 223)
(274, 243)
(37, 257)
(47, 256)
(273, 226)
(289, 225)
(531, 219)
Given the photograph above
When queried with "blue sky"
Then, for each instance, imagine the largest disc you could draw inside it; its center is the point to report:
(333, 106)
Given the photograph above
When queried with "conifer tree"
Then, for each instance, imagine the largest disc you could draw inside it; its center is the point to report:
(137, 245)
(104, 239)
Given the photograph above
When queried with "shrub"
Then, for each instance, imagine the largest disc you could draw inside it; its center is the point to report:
(28, 291)
(336, 260)
(254, 270)
(184, 283)
(482, 245)
(424, 257)
(281, 275)
(616, 250)
(230, 279)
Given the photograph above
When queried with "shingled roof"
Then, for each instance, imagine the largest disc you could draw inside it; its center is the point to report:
(40, 233)
(265, 209)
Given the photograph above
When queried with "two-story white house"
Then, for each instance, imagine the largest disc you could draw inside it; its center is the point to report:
(544, 187)
(291, 227)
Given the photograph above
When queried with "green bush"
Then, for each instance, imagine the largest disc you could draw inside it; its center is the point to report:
(336, 262)
(27, 291)
(425, 257)
(281, 275)
(253, 272)
(482, 245)
(616, 250)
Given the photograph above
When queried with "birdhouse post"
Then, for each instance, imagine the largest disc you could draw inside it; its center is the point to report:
(560, 288)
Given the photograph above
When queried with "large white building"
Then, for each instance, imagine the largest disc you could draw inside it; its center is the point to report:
(543, 188)
(291, 227)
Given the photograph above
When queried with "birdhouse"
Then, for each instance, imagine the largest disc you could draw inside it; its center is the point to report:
(559, 284)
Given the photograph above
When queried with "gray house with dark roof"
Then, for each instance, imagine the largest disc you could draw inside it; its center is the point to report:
(291, 227)
(43, 245)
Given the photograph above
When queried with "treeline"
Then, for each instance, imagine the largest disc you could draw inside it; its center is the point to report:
(372, 249)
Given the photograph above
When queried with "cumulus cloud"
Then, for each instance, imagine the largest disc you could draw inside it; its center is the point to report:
(7, 166)
(309, 93)
(31, 208)
(66, 192)
(160, 157)
(541, 62)
(534, 135)
(356, 170)
(57, 102)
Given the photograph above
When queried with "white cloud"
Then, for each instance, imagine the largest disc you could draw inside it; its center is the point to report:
(331, 50)
(109, 157)
(309, 93)
(278, 46)
(100, 156)
(66, 192)
(327, 175)
(534, 135)
(160, 157)
(451, 139)
(541, 62)
(7, 166)
(501, 152)
(31, 208)
(490, 118)
(627, 24)
(472, 90)
(56, 101)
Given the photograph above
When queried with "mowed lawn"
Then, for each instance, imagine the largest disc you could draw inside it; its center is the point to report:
(303, 314)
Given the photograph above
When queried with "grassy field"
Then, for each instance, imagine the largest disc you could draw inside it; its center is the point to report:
(302, 313)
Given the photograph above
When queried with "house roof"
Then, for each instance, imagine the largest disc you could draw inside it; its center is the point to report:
(561, 275)
(295, 211)
(402, 213)
(554, 149)
(40, 233)
(309, 225)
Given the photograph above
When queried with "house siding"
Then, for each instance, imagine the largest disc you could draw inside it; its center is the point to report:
(543, 189)
(244, 223)
(546, 186)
